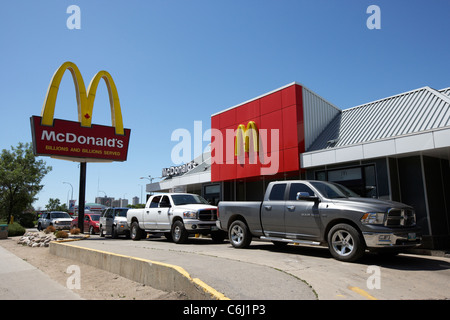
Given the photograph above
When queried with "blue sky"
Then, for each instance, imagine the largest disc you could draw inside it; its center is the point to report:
(175, 62)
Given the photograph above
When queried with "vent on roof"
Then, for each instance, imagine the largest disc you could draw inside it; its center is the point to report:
(332, 142)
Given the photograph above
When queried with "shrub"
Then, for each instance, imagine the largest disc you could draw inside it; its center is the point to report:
(15, 229)
(61, 234)
(26, 219)
(49, 229)
(75, 231)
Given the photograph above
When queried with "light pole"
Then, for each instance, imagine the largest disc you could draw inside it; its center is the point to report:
(71, 197)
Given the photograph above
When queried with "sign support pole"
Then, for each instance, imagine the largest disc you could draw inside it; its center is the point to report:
(82, 196)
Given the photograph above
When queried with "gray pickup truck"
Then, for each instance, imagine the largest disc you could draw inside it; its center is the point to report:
(318, 212)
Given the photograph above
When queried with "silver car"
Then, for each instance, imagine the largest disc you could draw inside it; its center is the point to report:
(58, 219)
(113, 222)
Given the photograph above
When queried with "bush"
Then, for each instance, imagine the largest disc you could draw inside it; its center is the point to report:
(75, 231)
(49, 229)
(61, 234)
(15, 229)
(26, 219)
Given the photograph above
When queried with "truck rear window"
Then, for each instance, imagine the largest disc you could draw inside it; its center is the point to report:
(277, 192)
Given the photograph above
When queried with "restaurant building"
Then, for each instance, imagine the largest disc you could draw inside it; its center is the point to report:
(396, 148)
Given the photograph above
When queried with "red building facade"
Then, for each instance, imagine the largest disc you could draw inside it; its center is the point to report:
(260, 137)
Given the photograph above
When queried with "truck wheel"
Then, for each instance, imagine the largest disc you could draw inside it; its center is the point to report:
(179, 233)
(345, 243)
(239, 234)
(136, 232)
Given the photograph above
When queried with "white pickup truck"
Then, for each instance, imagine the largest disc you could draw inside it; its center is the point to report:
(177, 215)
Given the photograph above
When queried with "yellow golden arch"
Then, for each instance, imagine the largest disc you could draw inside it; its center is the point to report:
(243, 138)
(85, 101)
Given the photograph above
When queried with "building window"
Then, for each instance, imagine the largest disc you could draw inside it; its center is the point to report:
(361, 180)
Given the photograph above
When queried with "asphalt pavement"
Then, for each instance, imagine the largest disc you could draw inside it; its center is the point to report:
(237, 280)
(19, 280)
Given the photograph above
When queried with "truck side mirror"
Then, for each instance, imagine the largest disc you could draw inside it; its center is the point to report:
(306, 196)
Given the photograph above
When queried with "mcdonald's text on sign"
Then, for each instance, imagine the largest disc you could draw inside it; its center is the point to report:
(80, 141)
(67, 139)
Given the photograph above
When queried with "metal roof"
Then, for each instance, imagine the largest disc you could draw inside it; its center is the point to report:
(409, 112)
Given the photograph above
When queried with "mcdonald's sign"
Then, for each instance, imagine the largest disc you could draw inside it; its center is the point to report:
(245, 135)
(80, 141)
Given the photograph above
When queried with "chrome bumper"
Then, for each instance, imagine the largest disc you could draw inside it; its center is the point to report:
(401, 239)
(199, 225)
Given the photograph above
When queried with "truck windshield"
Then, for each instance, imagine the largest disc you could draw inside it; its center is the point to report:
(121, 212)
(180, 199)
(57, 215)
(333, 190)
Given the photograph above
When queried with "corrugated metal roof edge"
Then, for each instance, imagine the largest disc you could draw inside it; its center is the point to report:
(273, 91)
(438, 93)
(377, 140)
(434, 91)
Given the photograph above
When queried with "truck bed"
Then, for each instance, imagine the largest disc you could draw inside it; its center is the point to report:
(249, 210)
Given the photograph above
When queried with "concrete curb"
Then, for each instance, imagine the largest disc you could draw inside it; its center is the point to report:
(158, 275)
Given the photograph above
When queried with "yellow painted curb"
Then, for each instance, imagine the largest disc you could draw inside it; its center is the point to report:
(197, 282)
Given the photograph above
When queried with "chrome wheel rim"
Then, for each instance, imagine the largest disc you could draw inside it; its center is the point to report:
(342, 243)
(176, 233)
(237, 234)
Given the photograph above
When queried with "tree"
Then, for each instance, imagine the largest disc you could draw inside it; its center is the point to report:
(55, 205)
(20, 177)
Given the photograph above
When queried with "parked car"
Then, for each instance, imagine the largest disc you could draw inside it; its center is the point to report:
(177, 215)
(113, 222)
(91, 222)
(58, 219)
(318, 212)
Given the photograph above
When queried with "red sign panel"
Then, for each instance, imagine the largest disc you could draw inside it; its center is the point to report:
(262, 137)
(69, 140)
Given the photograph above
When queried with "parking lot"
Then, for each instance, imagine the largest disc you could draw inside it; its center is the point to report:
(294, 272)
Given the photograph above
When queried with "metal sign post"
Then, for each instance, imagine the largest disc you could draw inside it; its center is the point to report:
(82, 196)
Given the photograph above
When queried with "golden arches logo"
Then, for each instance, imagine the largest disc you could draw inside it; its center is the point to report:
(243, 135)
(85, 100)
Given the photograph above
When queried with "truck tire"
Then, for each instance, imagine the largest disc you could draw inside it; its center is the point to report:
(345, 243)
(239, 235)
(135, 232)
(179, 233)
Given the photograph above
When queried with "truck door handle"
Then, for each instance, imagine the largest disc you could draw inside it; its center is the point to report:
(159, 211)
(291, 208)
(268, 208)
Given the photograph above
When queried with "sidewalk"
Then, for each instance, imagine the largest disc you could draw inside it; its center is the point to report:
(20, 280)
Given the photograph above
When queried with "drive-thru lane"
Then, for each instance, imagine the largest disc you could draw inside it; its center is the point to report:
(295, 272)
